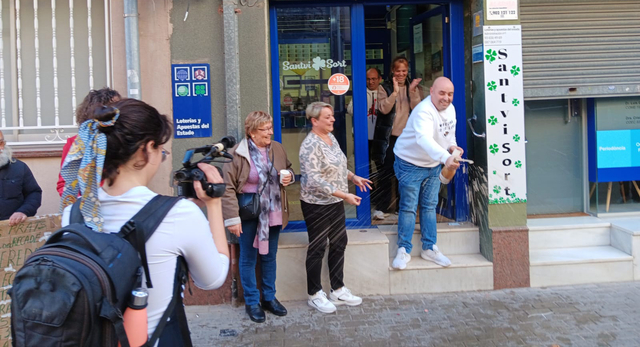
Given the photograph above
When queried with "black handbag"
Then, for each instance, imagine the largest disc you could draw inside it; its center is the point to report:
(249, 203)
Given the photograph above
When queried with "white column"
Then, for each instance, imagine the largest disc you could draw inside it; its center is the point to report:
(36, 44)
(90, 43)
(73, 61)
(19, 64)
(3, 110)
(54, 45)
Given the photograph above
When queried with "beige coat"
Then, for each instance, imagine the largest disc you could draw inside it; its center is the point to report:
(236, 174)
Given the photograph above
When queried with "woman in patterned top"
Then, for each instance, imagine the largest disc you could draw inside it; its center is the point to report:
(323, 167)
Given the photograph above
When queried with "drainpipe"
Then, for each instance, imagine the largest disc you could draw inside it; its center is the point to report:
(132, 48)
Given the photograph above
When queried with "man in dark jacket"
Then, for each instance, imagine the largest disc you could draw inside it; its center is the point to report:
(20, 194)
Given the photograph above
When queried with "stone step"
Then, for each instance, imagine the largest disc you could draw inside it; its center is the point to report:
(467, 272)
(460, 238)
(570, 232)
(579, 265)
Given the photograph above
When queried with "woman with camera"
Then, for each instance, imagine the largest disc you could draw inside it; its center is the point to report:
(255, 209)
(124, 145)
(324, 187)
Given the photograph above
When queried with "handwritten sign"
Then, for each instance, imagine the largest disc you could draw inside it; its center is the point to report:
(16, 244)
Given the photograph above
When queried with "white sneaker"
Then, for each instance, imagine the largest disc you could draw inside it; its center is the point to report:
(435, 256)
(319, 302)
(378, 215)
(343, 296)
(401, 260)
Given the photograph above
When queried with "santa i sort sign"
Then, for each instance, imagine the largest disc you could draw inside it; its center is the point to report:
(504, 108)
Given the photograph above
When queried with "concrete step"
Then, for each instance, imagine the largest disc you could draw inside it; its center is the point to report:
(467, 272)
(570, 232)
(365, 269)
(579, 265)
(460, 238)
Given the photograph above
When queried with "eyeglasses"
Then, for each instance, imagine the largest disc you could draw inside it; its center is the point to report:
(266, 129)
(165, 153)
(2, 141)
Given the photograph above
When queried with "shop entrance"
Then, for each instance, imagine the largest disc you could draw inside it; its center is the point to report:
(313, 42)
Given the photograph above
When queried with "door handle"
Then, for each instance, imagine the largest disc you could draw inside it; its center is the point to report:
(474, 119)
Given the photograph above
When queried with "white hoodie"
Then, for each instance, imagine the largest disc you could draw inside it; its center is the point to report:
(428, 135)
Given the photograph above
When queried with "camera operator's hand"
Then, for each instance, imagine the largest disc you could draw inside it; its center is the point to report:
(213, 176)
(235, 229)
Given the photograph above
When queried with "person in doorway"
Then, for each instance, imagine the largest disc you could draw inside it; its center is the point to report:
(401, 96)
(257, 160)
(324, 187)
(426, 142)
(374, 93)
(20, 194)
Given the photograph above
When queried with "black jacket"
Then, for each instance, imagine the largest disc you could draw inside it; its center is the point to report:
(19, 191)
(384, 125)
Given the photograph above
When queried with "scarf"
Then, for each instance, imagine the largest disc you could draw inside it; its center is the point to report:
(82, 170)
(270, 199)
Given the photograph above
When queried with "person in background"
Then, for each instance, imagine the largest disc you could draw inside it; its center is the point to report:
(428, 140)
(324, 176)
(93, 100)
(123, 146)
(374, 93)
(257, 161)
(20, 194)
(402, 95)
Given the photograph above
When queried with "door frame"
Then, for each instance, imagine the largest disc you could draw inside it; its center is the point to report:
(454, 58)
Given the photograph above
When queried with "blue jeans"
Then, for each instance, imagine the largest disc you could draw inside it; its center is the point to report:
(248, 259)
(417, 185)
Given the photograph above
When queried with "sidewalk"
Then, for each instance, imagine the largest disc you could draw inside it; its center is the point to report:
(580, 316)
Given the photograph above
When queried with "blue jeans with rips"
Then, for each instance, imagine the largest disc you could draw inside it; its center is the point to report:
(418, 186)
(249, 258)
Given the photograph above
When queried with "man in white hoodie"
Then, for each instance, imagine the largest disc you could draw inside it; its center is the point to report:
(426, 142)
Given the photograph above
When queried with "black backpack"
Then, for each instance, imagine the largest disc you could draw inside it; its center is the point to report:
(73, 290)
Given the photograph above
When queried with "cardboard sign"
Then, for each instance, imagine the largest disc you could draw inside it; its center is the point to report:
(338, 84)
(16, 244)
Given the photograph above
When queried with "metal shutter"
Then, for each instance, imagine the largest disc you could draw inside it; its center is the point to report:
(580, 48)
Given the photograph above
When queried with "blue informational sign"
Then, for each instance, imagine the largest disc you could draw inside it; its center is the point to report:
(618, 148)
(191, 100)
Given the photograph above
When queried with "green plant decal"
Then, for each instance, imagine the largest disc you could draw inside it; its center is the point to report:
(515, 71)
(518, 164)
(492, 86)
(496, 189)
(493, 120)
(516, 137)
(515, 102)
(513, 195)
(493, 148)
(491, 55)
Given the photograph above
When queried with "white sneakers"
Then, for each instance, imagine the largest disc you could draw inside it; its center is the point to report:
(341, 296)
(378, 215)
(401, 260)
(319, 302)
(435, 256)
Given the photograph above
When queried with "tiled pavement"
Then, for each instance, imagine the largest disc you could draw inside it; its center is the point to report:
(581, 316)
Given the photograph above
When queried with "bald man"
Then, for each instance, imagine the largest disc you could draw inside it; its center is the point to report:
(20, 194)
(426, 142)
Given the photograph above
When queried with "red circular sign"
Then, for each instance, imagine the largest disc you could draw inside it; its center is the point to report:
(338, 84)
(288, 100)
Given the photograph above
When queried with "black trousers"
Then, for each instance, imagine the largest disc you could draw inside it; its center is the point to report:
(325, 222)
(387, 177)
(377, 179)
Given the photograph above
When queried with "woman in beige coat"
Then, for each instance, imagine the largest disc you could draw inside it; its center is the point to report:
(255, 169)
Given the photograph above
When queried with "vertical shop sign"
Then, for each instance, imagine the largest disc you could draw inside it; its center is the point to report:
(191, 100)
(504, 108)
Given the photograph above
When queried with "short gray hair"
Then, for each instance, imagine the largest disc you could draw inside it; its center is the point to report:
(315, 108)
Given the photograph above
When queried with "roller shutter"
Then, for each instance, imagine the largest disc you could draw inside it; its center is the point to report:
(579, 49)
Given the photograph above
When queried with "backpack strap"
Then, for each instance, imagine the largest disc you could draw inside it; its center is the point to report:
(76, 215)
(140, 227)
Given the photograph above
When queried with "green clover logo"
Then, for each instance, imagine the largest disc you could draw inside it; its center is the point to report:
(496, 189)
(515, 71)
(516, 137)
(493, 148)
(491, 55)
(513, 195)
(518, 164)
(515, 102)
(492, 86)
(493, 120)
(495, 172)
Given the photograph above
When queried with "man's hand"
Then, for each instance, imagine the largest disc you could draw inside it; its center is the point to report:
(235, 229)
(451, 164)
(17, 218)
(414, 84)
(453, 148)
(396, 86)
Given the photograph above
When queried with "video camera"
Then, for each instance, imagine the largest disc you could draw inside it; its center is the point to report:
(190, 172)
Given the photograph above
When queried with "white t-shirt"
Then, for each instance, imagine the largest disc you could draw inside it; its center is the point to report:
(183, 232)
(428, 135)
